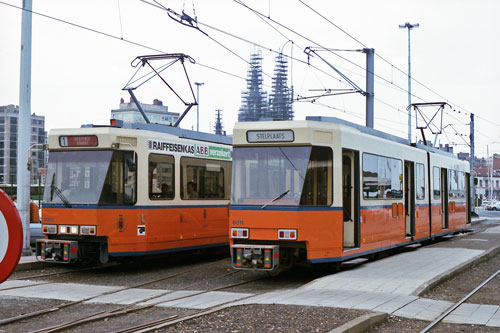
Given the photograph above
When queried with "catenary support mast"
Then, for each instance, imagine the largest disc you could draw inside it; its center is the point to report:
(24, 126)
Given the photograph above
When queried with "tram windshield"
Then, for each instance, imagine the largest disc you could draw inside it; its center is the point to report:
(284, 176)
(90, 177)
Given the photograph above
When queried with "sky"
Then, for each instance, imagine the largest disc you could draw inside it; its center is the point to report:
(78, 74)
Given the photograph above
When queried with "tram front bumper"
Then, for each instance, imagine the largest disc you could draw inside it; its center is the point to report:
(259, 257)
(58, 251)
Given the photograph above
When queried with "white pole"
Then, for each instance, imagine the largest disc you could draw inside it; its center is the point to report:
(490, 170)
(409, 26)
(198, 84)
(24, 126)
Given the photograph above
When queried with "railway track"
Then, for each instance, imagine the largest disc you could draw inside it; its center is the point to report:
(37, 276)
(68, 271)
(134, 308)
(457, 304)
(65, 305)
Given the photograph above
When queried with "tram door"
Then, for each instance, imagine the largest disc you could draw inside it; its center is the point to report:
(350, 198)
(444, 197)
(468, 197)
(409, 199)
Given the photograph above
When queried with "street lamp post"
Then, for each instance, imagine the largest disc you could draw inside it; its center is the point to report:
(198, 84)
(409, 26)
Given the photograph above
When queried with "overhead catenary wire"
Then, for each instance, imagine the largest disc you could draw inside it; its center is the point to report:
(149, 47)
(326, 49)
(382, 58)
(83, 27)
(153, 48)
(466, 112)
(240, 2)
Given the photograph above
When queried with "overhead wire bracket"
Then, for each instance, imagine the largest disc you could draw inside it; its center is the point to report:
(184, 19)
(310, 51)
(327, 92)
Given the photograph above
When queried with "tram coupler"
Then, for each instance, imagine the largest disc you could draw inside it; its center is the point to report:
(58, 251)
(261, 257)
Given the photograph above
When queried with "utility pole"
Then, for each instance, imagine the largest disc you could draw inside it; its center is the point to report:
(471, 163)
(24, 126)
(198, 84)
(489, 167)
(409, 26)
(370, 70)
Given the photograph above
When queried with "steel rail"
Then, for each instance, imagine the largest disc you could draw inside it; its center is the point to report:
(122, 310)
(64, 305)
(153, 326)
(130, 308)
(456, 305)
(65, 272)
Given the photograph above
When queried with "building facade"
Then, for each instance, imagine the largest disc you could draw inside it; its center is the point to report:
(9, 119)
(157, 113)
(488, 178)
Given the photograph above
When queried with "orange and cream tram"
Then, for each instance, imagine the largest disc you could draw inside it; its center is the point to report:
(133, 189)
(326, 190)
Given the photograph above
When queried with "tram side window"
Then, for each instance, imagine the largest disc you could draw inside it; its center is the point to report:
(456, 184)
(436, 182)
(205, 179)
(452, 184)
(317, 189)
(420, 182)
(382, 177)
(161, 177)
(461, 184)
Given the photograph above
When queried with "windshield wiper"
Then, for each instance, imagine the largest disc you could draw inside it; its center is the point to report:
(61, 196)
(275, 199)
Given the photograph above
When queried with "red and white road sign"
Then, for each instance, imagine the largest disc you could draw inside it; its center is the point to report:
(11, 236)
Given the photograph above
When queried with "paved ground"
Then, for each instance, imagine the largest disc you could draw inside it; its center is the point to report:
(390, 285)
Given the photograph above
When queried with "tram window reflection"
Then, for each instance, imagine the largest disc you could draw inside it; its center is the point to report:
(382, 177)
(161, 176)
(317, 185)
(436, 183)
(119, 186)
(284, 176)
(90, 177)
(205, 179)
(420, 181)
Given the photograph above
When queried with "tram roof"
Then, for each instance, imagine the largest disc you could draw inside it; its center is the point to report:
(380, 134)
(179, 132)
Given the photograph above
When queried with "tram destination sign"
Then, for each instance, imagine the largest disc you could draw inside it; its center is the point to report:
(270, 136)
(196, 149)
(78, 141)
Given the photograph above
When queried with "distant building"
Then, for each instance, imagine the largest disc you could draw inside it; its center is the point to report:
(488, 177)
(156, 112)
(9, 116)
(254, 106)
(280, 103)
(218, 128)
(463, 156)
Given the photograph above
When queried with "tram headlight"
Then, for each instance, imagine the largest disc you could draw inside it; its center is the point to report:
(68, 229)
(239, 233)
(88, 230)
(49, 229)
